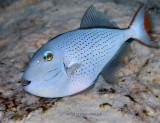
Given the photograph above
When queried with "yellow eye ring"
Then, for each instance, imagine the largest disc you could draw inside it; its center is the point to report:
(48, 55)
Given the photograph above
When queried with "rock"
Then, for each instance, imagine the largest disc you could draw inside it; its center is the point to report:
(26, 25)
(1, 114)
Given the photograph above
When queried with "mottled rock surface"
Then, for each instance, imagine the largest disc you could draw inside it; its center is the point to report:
(26, 25)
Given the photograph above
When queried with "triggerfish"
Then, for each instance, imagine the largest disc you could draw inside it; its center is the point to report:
(71, 62)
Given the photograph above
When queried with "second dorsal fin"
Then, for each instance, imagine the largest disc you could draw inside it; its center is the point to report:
(93, 18)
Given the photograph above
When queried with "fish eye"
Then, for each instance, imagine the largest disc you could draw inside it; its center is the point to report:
(48, 55)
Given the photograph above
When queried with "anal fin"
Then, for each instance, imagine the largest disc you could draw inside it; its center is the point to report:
(110, 71)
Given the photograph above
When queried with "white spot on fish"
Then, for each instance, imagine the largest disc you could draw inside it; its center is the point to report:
(38, 61)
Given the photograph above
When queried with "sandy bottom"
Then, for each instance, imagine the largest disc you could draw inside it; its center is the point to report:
(26, 25)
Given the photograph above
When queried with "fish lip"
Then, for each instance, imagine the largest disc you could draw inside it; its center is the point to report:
(25, 82)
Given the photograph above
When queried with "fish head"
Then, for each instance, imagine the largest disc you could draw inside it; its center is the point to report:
(45, 75)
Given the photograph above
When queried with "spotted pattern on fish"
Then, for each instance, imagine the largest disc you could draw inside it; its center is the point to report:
(92, 47)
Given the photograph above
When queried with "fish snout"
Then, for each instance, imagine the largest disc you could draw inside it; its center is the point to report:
(25, 82)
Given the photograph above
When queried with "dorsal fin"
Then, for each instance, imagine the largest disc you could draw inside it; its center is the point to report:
(93, 18)
(110, 71)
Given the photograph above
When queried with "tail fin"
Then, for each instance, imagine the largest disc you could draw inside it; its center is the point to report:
(140, 28)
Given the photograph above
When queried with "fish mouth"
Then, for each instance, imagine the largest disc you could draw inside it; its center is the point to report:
(26, 82)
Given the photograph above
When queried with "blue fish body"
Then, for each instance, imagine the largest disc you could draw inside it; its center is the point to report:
(71, 62)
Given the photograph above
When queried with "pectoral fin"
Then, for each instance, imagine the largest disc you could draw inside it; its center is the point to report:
(70, 70)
